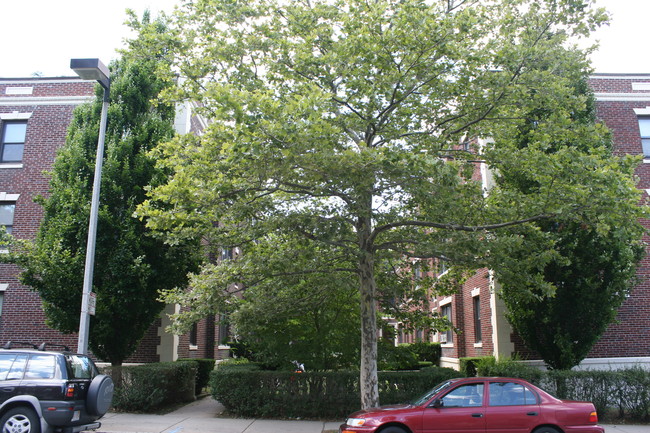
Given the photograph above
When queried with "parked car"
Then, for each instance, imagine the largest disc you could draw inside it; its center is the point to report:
(45, 391)
(479, 404)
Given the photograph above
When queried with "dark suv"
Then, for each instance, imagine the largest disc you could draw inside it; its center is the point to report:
(44, 391)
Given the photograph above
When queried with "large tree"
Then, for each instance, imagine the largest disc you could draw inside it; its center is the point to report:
(592, 271)
(358, 131)
(131, 267)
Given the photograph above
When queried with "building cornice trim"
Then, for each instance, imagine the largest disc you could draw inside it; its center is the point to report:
(54, 100)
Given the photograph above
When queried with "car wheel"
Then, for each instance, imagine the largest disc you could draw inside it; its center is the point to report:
(546, 429)
(20, 420)
(100, 395)
(392, 429)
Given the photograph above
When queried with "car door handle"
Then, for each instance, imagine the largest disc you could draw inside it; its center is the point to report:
(477, 415)
(8, 389)
(532, 414)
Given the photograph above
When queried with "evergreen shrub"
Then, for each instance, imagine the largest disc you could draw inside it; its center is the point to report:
(150, 387)
(316, 395)
(204, 367)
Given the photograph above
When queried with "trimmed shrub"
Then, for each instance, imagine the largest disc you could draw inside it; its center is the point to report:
(489, 366)
(468, 366)
(149, 387)
(204, 367)
(278, 394)
(427, 352)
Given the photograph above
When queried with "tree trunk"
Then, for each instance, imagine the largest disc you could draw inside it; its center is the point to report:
(368, 378)
(116, 373)
(368, 290)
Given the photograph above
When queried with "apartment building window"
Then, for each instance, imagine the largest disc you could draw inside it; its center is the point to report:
(476, 301)
(194, 331)
(7, 215)
(13, 141)
(448, 335)
(3, 289)
(644, 129)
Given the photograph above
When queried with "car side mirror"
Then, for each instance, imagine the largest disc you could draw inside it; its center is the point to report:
(437, 403)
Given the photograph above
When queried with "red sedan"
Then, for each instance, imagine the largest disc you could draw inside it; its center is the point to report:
(479, 404)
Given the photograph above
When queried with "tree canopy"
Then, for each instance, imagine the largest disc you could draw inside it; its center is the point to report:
(349, 139)
(131, 267)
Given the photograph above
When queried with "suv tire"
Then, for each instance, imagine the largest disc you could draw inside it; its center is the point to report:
(100, 395)
(20, 419)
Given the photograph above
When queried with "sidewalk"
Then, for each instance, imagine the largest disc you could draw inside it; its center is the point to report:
(202, 416)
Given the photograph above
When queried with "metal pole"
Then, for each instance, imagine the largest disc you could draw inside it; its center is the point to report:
(84, 320)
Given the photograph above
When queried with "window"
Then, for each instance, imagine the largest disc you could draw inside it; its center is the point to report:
(194, 334)
(13, 141)
(7, 215)
(40, 367)
(510, 394)
(644, 129)
(470, 395)
(80, 367)
(17, 368)
(448, 335)
(476, 301)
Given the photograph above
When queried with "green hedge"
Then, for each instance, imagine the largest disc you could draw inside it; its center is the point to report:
(149, 387)
(204, 368)
(273, 394)
(622, 394)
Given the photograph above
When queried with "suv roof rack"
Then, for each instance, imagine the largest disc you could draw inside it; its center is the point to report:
(44, 345)
(10, 344)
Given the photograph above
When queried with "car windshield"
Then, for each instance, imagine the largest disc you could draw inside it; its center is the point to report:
(81, 367)
(427, 396)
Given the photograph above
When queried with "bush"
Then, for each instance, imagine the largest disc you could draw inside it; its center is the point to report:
(468, 366)
(489, 366)
(279, 394)
(407, 356)
(627, 391)
(427, 352)
(150, 387)
(204, 367)
(391, 357)
(238, 364)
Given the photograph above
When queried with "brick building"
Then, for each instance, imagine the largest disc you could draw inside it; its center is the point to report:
(34, 118)
(623, 105)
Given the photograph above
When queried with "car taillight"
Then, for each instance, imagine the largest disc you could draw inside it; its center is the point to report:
(69, 391)
(593, 417)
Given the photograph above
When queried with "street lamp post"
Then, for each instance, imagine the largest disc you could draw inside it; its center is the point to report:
(92, 69)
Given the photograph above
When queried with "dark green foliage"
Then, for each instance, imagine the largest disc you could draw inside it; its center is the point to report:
(312, 395)
(150, 387)
(131, 267)
(469, 366)
(204, 368)
(592, 276)
(407, 356)
(489, 366)
(574, 290)
(430, 352)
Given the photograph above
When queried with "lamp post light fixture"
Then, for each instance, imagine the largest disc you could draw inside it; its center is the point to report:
(92, 69)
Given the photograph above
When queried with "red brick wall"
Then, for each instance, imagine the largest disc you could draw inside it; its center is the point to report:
(629, 337)
(22, 317)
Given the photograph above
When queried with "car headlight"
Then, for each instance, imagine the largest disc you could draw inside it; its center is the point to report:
(355, 422)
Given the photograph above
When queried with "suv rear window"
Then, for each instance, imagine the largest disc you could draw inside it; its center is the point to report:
(80, 367)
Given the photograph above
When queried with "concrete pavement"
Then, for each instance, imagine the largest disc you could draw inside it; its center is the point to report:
(203, 416)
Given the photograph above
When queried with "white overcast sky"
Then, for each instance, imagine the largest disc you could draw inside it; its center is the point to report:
(41, 36)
